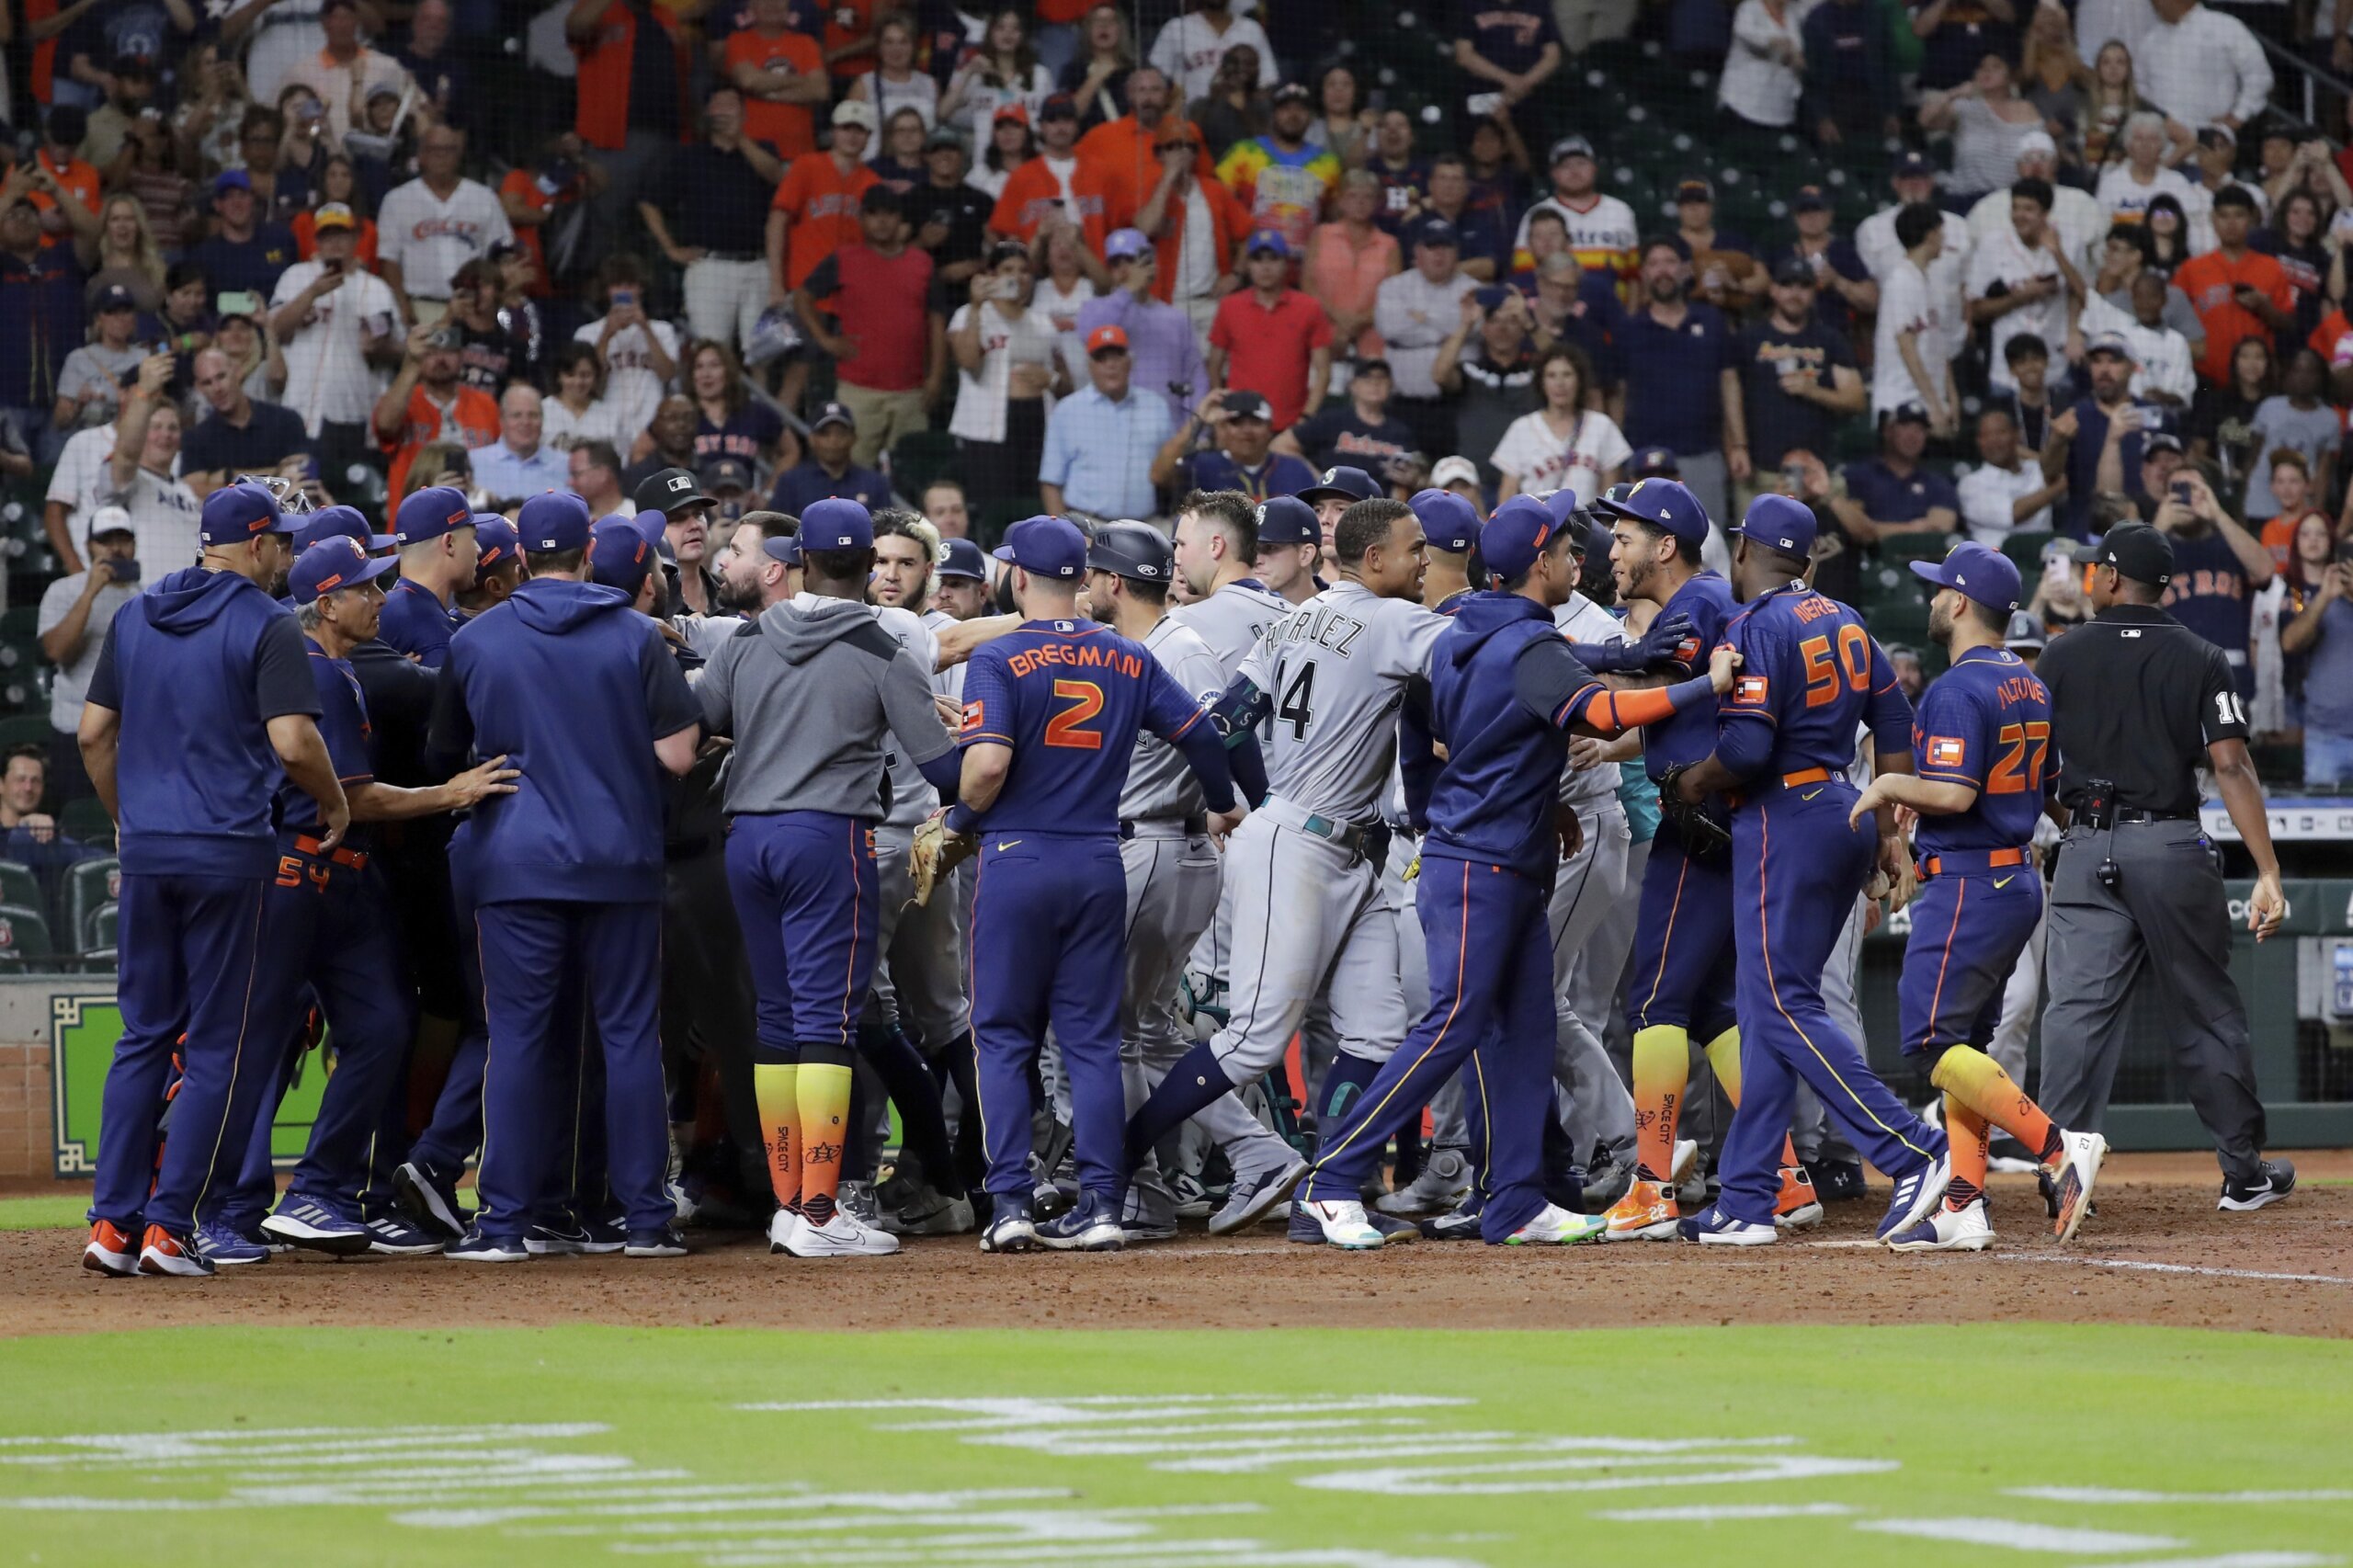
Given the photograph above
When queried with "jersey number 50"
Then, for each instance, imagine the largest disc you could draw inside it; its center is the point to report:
(1854, 658)
(1067, 728)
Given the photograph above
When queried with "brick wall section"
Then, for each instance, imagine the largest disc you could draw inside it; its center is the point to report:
(27, 1144)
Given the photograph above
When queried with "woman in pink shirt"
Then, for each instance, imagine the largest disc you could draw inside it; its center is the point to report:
(1346, 259)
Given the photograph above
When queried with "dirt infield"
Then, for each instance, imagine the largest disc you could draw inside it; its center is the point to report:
(2157, 1253)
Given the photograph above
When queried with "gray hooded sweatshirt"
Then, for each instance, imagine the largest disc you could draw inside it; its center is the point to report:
(813, 692)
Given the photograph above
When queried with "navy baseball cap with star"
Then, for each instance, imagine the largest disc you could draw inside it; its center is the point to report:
(836, 524)
(432, 511)
(1043, 547)
(618, 556)
(340, 522)
(1449, 522)
(1987, 576)
(962, 558)
(1664, 504)
(235, 513)
(554, 522)
(1287, 519)
(336, 565)
(1515, 535)
(1343, 483)
(1779, 522)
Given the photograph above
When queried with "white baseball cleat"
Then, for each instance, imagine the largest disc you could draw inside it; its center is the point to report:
(2080, 1154)
(1556, 1226)
(841, 1236)
(1687, 1154)
(1947, 1230)
(1343, 1224)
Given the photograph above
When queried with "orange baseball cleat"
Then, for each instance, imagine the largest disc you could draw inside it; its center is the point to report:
(1647, 1213)
(1797, 1209)
(110, 1250)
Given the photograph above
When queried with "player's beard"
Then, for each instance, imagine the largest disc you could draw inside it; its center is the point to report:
(1939, 621)
(742, 598)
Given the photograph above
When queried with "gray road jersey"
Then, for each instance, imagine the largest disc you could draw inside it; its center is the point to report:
(1336, 669)
(1160, 781)
(949, 682)
(911, 799)
(1582, 620)
(1231, 621)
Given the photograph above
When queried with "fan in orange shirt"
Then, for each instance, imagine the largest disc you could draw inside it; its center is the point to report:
(817, 201)
(1126, 151)
(2238, 294)
(1057, 180)
(781, 72)
(426, 403)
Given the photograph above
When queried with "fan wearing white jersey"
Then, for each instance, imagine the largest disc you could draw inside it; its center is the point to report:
(1307, 915)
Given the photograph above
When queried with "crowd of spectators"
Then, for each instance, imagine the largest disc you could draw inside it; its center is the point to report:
(1091, 257)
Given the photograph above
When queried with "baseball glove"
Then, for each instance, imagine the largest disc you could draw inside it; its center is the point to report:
(933, 854)
(1702, 831)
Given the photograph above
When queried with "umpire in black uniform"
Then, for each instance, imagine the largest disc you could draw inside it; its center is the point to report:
(2137, 703)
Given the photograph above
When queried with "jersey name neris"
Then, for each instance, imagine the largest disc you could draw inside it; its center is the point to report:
(1324, 626)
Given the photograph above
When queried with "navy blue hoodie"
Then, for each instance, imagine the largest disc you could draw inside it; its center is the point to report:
(574, 688)
(198, 665)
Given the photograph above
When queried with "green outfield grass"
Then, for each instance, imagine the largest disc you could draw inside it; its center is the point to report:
(1765, 1447)
(42, 1213)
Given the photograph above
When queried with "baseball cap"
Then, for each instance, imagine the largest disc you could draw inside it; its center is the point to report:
(2135, 549)
(2108, 343)
(1451, 523)
(1343, 483)
(333, 215)
(111, 520)
(432, 511)
(1987, 576)
(1015, 110)
(1571, 147)
(228, 180)
(1654, 462)
(1287, 519)
(1371, 365)
(833, 413)
(235, 513)
(1245, 405)
(1695, 189)
(1454, 470)
(786, 551)
(1810, 198)
(115, 297)
(336, 522)
(854, 111)
(2037, 144)
(726, 473)
(1664, 504)
(1062, 105)
(1909, 413)
(1108, 335)
(1044, 547)
(1132, 550)
(836, 524)
(1779, 522)
(1795, 272)
(1293, 93)
(1437, 231)
(961, 558)
(1266, 242)
(1126, 244)
(881, 199)
(552, 522)
(618, 556)
(336, 565)
(943, 136)
(2026, 631)
(499, 542)
(1515, 535)
(1568, 512)
(671, 490)
(1913, 166)
(2160, 440)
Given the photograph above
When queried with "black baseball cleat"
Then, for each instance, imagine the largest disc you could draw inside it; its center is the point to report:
(1837, 1181)
(2278, 1180)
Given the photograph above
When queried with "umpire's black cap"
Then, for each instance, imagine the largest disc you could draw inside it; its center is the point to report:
(1137, 550)
(2135, 549)
(671, 490)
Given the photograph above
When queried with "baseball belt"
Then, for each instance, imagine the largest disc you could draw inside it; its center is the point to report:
(1190, 825)
(355, 858)
(1962, 862)
(1797, 781)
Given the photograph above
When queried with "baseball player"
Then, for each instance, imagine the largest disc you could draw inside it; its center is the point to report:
(1342, 487)
(1809, 674)
(1681, 987)
(1165, 847)
(1307, 917)
(499, 568)
(1980, 741)
(435, 528)
(1288, 551)
(201, 702)
(1051, 716)
(582, 695)
(1506, 692)
(2022, 995)
(811, 690)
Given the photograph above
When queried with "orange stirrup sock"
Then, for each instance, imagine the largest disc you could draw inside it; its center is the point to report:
(1965, 1135)
(824, 1123)
(778, 1098)
(1662, 1068)
(1967, 1075)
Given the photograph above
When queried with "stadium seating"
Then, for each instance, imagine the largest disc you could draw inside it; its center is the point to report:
(86, 822)
(24, 934)
(91, 886)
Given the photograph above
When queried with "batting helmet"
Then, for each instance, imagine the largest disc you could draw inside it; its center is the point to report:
(1132, 550)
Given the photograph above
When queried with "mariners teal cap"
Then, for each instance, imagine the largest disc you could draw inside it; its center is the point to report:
(836, 524)
(1987, 576)
(1344, 482)
(235, 513)
(1043, 547)
(962, 558)
(333, 565)
(1779, 522)
(1287, 519)
(432, 511)
(552, 522)
(1451, 523)
(1515, 535)
(618, 556)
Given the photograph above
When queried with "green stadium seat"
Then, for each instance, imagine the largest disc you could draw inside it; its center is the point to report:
(918, 458)
(24, 730)
(100, 949)
(86, 822)
(89, 887)
(2025, 551)
(24, 934)
(19, 885)
(1914, 547)
(18, 625)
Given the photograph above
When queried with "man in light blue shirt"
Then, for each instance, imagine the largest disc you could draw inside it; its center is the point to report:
(1100, 443)
(1160, 336)
(516, 467)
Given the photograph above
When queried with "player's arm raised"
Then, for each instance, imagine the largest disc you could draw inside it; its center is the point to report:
(1179, 716)
(1950, 776)
(1553, 684)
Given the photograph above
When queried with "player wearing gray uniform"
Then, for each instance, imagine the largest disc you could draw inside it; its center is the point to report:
(1309, 918)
